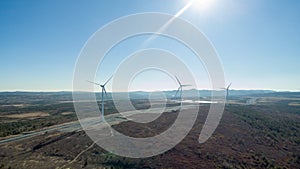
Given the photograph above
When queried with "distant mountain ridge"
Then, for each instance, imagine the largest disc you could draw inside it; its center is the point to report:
(21, 97)
(145, 94)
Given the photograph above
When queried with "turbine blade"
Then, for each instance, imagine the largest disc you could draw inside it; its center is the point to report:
(107, 81)
(178, 80)
(93, 82)
(228, 86)
(105, 91)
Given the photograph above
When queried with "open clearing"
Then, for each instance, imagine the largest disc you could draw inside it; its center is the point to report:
(27, 115)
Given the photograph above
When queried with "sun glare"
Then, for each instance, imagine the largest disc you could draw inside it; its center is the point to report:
(201, 4)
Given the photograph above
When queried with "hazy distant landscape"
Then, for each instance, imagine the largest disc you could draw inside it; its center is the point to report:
(264, 134)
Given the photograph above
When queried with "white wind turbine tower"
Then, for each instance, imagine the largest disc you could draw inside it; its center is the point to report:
(227, 90)
(180, 88)
(102, 93)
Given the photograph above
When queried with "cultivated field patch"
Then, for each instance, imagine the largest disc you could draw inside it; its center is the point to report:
(27, 115)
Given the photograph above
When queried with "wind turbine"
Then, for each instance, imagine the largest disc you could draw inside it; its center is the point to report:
(227, 90)
(180, 88)
(102, 93)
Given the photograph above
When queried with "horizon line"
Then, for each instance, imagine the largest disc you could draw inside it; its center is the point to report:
(148, 91)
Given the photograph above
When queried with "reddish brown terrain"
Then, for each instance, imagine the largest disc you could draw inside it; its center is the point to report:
(235, 144)
(266, 135)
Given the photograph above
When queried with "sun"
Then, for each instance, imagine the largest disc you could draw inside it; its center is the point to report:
(201, 4)
(196, 5)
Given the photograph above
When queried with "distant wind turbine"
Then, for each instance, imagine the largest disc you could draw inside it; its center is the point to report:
(180, 88)
(227, 90)
(102, 93)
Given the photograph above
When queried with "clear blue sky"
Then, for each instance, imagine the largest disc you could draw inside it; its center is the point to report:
(258, 41)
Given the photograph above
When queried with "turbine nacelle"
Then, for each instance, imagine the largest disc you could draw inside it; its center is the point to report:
(185, 85)
(180, 87)
(227, 90)
(102, 93)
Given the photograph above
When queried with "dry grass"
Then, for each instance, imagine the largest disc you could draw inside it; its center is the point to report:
(66, 113)
(27, 115)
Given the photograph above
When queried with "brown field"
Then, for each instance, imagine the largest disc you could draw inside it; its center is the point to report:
(27, 115)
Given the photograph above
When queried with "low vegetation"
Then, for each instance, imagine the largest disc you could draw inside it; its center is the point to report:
(263, 135)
